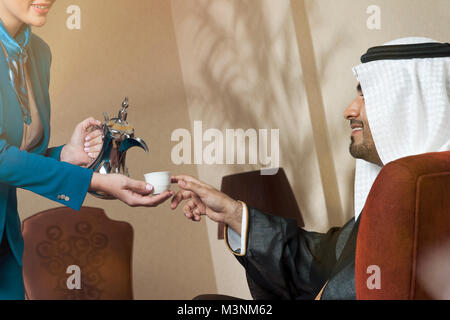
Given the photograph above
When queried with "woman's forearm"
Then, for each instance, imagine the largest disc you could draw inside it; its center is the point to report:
(97, 182)
(132, 192)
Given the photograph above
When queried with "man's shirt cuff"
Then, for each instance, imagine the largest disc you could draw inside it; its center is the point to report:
(235, 243)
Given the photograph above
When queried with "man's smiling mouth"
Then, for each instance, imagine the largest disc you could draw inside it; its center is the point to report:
(356, 126)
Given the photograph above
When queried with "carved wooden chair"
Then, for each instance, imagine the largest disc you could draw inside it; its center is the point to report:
(59, 238)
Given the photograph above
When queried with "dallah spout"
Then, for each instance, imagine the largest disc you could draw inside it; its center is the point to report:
(133, 142)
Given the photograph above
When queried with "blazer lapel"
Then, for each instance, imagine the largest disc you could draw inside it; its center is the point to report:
(40, 90)
(11, 121)
(10, 108)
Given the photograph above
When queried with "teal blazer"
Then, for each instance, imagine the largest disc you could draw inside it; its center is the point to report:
(38, 170)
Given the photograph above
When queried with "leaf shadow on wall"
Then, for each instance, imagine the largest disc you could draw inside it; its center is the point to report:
(250, 77)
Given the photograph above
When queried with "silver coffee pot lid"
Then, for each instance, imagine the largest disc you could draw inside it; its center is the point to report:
(119, 127)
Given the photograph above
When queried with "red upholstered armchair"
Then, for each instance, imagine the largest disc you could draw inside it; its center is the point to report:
(404, 231)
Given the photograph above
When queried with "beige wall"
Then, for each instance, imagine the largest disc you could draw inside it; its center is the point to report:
(232, 64)
(241, 70)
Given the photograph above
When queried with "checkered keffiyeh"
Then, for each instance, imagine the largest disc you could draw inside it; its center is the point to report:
(408, 109)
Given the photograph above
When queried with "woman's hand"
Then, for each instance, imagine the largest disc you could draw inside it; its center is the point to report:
(84, 146)
(132, 192)
(203, 199)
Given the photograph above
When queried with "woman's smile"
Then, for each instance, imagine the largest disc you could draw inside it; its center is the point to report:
(41, 8)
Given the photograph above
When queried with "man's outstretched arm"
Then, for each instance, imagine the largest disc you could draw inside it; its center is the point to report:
(282, 261)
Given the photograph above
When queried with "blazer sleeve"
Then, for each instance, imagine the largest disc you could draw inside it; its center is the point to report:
(284, 261)
(62, 182)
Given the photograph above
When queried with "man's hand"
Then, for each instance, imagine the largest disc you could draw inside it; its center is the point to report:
(84, 146)
(132, 192)
(206, 200)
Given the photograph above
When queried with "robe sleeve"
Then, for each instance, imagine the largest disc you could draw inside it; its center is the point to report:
(283, 261)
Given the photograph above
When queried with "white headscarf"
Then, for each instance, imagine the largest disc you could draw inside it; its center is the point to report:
(408, 110)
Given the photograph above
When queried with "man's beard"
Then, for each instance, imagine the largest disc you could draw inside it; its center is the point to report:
(363, 150)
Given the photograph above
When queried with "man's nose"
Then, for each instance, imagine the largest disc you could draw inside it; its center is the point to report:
(353, 110)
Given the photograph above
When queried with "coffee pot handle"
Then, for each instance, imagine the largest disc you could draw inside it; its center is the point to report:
(102, 128)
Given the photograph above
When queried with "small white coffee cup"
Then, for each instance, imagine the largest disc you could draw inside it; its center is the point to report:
(159, 180)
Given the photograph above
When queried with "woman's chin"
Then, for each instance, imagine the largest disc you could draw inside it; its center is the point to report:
(37, 21)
